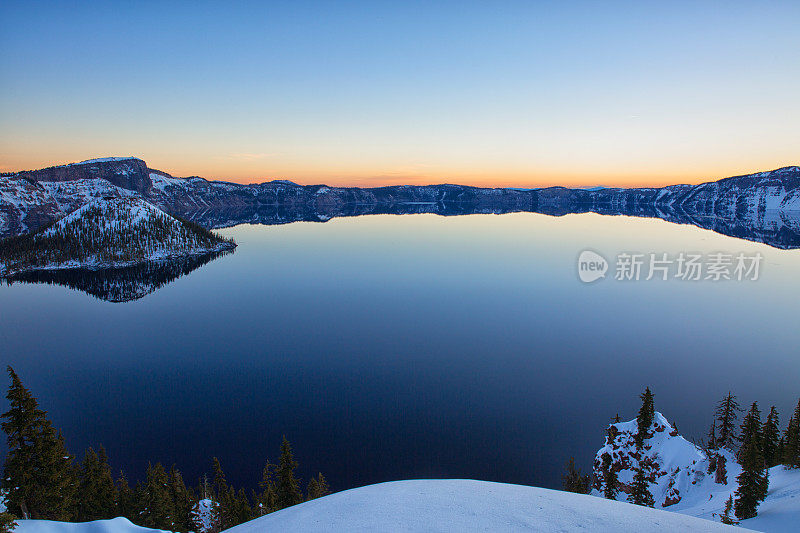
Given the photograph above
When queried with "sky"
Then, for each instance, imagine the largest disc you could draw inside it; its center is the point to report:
(497, 93)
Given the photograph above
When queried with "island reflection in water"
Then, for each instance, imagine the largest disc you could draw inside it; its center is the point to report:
(119, 284)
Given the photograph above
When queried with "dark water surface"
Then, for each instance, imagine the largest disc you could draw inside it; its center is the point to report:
(389, 347)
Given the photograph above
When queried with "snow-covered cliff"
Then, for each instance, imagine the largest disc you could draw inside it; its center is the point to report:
(684, 480)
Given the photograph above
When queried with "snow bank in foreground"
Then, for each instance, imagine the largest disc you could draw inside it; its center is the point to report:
(116, 525)
(467, 505)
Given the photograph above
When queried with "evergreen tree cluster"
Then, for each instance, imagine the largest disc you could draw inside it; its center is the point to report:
(41, 480)
(758, 445)
(574, 481)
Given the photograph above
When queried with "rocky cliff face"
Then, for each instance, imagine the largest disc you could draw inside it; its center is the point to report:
(763, 207)
(672, 464)
(125, 172)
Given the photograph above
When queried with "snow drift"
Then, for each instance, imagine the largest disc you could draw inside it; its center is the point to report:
(115, 525)
(467, 505)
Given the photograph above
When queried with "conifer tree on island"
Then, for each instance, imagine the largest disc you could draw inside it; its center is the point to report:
(754, 480)
(38, 474)
(645, 417)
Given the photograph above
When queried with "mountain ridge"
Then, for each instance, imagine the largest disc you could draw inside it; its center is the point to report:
(762, 206)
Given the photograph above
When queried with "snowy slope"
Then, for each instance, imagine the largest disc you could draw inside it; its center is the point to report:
(683, 482)
(467, 505)
(116, 525)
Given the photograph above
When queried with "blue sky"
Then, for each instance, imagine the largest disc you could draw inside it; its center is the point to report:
(507, 93)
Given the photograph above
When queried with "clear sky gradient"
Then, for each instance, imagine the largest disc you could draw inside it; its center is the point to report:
(369, 93)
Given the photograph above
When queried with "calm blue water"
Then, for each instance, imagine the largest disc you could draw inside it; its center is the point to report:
(389, 347)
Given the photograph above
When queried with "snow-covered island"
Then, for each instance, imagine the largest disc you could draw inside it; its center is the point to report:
(108, 232)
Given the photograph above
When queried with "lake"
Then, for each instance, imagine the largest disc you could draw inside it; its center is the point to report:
(407, 346)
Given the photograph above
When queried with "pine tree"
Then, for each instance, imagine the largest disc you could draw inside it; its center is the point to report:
(220, 501)
(610, 489)
(219, 484)
(573, 480)
(725, 416)
(266, 500)
(157, 511)
(318, 487)
(791, 441)
(645, 417)
(181, 501)
(287, 489)
(7, 523)
(38, 471)
(242, 510)
(97, 492)
(712, 435)
(126, 499)
(640, 489)
(770, 434)
(753, 481)
(726, 517)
